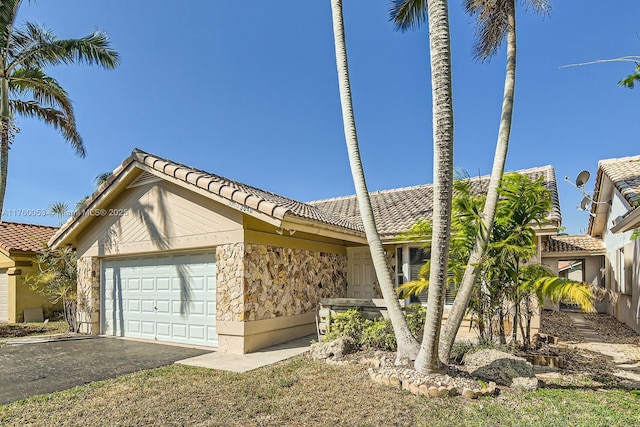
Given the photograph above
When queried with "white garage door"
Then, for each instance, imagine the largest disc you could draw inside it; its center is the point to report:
(168, 298)
(4, 296)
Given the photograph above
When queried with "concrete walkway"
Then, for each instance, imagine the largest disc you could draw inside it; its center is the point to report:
(247, 362)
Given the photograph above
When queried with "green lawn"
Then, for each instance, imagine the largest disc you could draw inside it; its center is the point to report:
(303, 392)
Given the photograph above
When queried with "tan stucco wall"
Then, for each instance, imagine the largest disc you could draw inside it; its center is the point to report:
(159, 216)
(268, 284)
(20, 295)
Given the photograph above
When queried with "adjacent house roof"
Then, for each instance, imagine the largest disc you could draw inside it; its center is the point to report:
(18, 237)
(395, 210)
(624, 173)
(398, 209)
(580, 243)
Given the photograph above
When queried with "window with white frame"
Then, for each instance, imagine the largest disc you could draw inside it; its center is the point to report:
(409, 260)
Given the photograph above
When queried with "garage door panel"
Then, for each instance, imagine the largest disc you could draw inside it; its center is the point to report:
(169, 298)
(179, 330)
(163, 284)
(197, 308)
(197, 332)
(133, 305)
(4, 296)
(163, 329)
(163, 306)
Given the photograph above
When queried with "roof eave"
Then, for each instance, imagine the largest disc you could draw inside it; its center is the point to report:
(305, 225)
(628, 223)
(572, 254)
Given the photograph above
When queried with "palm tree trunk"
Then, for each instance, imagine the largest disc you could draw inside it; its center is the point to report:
(5, 134)
(456, 315)
(442, 107)
(407, 345)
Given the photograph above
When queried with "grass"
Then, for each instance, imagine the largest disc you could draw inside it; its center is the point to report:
(15, 330)
(303, 392)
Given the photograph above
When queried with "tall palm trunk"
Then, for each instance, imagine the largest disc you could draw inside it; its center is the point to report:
(5, 134)
(407, 345)
(440, 51)
(465, 291)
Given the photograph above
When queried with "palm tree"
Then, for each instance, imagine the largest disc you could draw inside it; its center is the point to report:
(407, 14)
(496, 20)
(407, 345)
(60, 209)
(25, 88)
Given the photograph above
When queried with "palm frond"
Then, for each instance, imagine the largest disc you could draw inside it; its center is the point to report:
(491, 25)
(44, 89)
(8, 13)
(101, 178)
(53, 117)
(408, 14)
(559, 288)
(413, 287)
(94, 49)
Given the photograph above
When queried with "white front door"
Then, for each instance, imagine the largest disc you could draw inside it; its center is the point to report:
(4, 296)
(361, 275)
(165, 298)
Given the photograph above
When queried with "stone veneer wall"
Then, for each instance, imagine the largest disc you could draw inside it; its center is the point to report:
(230, 283)
(88, 308)
(287, 282)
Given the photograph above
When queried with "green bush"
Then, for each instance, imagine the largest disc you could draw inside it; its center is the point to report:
(349, 323)
(416, 314)
(378, 334)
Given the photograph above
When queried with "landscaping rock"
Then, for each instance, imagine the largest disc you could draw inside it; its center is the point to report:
(501, 368)
(525, 383)
(337, 348)
(469, 394)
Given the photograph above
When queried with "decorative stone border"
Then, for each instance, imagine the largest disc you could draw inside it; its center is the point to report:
(428, 389)
(401, 379)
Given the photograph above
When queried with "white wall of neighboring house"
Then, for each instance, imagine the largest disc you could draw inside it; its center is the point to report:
(622, 269)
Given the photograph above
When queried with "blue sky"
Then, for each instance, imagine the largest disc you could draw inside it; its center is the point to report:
(248, 90)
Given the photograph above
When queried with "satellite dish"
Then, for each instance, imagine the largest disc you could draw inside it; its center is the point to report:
(585, 202)
(582, 179)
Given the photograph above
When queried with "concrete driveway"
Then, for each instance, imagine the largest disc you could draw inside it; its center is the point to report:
(30, 369)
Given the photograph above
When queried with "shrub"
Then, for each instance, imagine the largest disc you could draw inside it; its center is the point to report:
(378, 333)
(349, 323)
(416, 314)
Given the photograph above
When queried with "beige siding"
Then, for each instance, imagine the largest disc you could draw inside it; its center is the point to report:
(160, 216)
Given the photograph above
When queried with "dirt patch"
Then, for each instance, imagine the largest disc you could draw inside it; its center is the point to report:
(609, 355)
(28, 329)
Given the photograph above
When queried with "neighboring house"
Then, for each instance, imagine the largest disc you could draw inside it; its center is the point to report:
(615, 213)
(177, 254)
(19, 244)
(578, 258)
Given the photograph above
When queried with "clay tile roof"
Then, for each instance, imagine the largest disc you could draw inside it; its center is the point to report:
(264, 201)
(580, 243)
(395, 210)
(625, 175)
(18, 237)
(398, 209)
